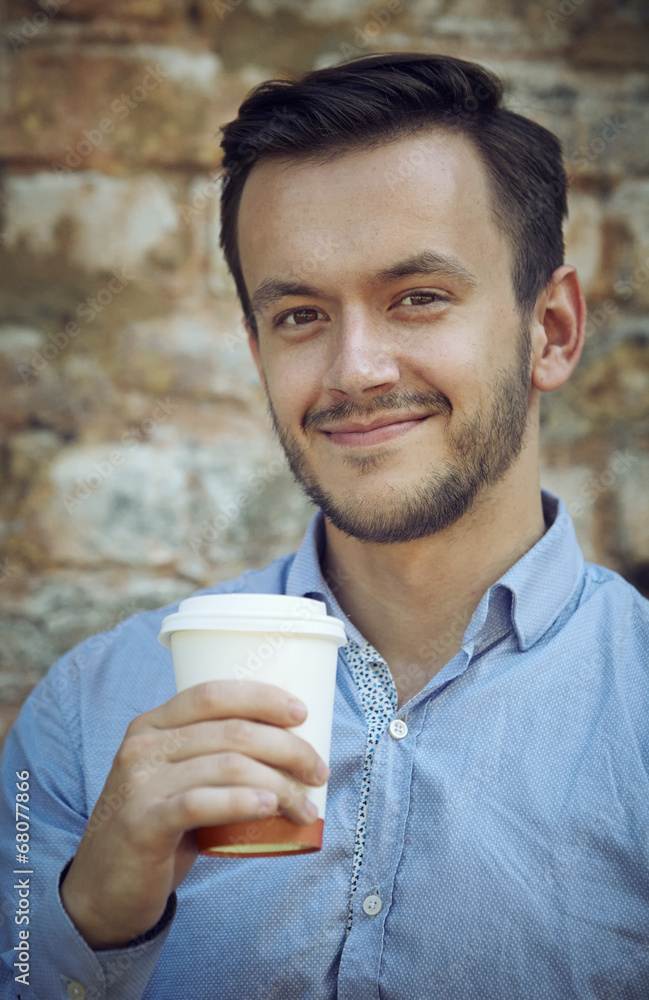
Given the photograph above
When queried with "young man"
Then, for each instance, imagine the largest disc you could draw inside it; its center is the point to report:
(395, 237)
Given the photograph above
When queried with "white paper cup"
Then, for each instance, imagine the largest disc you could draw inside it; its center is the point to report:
(288, 641)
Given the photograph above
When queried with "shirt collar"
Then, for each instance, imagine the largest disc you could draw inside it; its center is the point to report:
(545, 580)
(529, 597)
(305, 577)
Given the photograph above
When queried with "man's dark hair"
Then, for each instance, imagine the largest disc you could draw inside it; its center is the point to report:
(366, 102)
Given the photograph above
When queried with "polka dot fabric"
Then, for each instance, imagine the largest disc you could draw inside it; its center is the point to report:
(379, 700)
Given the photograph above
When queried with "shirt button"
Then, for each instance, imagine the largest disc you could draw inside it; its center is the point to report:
(372, 904)
(398, 729)
(76, 991)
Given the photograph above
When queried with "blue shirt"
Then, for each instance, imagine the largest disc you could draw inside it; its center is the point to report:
(505, 838)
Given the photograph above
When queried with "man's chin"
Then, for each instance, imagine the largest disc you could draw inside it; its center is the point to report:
(389, 521)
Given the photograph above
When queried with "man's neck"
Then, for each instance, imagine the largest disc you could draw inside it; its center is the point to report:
(413, 601)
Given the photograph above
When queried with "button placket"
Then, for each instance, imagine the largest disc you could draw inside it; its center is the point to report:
(372, 903)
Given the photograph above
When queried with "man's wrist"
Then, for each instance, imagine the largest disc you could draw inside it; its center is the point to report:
(165, 919)
(97, 941)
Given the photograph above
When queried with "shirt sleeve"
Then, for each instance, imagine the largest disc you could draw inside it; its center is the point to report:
(43, 752)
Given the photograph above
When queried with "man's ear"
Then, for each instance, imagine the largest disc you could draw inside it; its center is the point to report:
(558, 329)
(253, 342)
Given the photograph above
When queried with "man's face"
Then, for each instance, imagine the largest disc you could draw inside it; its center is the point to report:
(390, 346)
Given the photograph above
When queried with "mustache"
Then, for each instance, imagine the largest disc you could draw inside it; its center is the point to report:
(394, 401)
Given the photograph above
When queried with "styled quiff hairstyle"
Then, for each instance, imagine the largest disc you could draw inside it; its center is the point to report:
(366, 102)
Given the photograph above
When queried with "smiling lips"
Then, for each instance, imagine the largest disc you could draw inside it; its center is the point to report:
(382, 429)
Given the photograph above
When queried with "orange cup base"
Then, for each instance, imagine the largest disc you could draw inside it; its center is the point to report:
(272, 837)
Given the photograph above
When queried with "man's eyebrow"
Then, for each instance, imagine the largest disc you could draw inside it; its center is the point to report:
(273, 289)
(424, 262)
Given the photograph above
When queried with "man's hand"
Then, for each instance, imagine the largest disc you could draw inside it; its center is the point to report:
(208, 756)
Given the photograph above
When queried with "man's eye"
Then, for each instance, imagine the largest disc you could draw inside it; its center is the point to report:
(422, 298)
(298, 317)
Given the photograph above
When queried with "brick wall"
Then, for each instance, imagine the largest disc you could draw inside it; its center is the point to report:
(137, 462)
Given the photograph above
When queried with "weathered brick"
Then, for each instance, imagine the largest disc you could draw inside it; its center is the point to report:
(146, 105)
(614, 387)
(600, 119)
(112, 222)
(629, 208)
(135, 503)
(613, 42)
(197, 356)
(633, 493)
(321, 11)
(141, 10)
(29, 451)
(65, 395)
(87, 253)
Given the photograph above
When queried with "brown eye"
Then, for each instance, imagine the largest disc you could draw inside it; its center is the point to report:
(423, 298)
(303, 315)
(299, 317)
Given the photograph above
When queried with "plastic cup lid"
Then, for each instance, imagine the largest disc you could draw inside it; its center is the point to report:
(253, 613)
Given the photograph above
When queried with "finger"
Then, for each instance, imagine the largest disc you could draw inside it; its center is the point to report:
(233, 770)
(267, 744)
(227, 699)
(213, 806)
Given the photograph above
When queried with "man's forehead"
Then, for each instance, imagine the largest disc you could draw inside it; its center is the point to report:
(369, 210)
(390, 162)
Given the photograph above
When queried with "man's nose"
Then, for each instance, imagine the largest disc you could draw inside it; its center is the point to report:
(361, 362)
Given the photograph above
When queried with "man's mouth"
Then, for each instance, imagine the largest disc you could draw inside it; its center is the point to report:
(385, 428)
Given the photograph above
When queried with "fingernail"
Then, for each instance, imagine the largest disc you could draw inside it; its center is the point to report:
(322, 771)
(297, 710)
(311, 810)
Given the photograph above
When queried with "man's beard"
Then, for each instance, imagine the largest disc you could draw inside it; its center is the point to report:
(482, 449)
